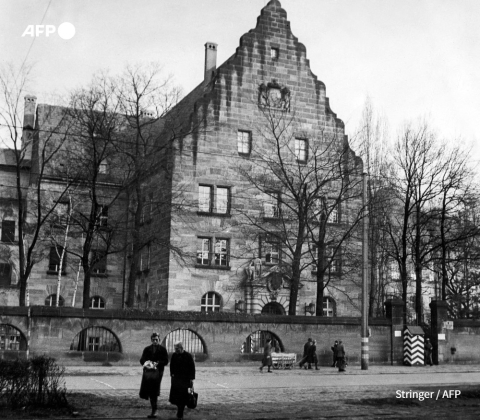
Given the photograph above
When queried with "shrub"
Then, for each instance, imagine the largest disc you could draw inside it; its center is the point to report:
(38, 381)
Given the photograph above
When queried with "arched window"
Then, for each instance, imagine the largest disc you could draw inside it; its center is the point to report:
(52, 300)
(192, 342)
(329, 307)
(273, 308)
(256, 341)
(96, 339)
(211, 302)
(11, 338)
(97, 302)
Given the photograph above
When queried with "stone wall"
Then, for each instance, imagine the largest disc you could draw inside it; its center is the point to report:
(461, 344)
(223, 334)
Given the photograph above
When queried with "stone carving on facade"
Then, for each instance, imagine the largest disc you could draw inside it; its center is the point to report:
(254, 270)
(274, 95)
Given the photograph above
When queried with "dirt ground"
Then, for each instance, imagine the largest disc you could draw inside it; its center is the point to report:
(352, 405)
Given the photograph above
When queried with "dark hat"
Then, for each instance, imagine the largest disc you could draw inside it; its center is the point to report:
(309, 339)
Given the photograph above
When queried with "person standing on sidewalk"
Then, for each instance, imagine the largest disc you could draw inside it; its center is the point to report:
(312, 355)
(334, 350)
(428, 352)
(306, 346)
(182, 371)
(340, 356)
(154, 359)
(267, 356)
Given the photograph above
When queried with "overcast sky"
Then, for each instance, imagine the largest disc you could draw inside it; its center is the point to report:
(413, 58)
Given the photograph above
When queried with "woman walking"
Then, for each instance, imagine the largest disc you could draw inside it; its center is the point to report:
(267, 356)
(340, 356)
(312, 355)
(182, 371)
(154, 359)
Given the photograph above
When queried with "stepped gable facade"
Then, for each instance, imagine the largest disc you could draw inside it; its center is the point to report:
(226, 113)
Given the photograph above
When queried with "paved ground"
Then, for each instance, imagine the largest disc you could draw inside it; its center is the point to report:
(242, 392)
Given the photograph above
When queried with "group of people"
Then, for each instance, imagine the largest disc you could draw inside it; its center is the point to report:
(182, 373)
(309, 357)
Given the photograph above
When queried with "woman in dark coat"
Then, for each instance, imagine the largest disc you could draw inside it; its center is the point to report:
(312, 355)
(157, 357)
(334, 350)
(340, 356)
(182, 371)
(267, 356)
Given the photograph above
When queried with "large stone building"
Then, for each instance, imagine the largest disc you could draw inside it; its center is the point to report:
(223, 231)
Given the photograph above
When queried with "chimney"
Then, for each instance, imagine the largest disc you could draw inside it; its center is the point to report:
(29, 112)
(210, 61)
(28, 125)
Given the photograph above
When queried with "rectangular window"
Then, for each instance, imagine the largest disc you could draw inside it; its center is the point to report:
(274, 53)
(203, 251)
(244, 141)
(301, 150)
(93, 343)
(221, 254)
(333, 216)
(102, 215)
(223, 200)
(205, 198)
(8, 231)
(54, 260)
(145, 258)
(102, 168)
(99, 262)
(270, 250)
(271, 205)
(5, 274)
(333, 260)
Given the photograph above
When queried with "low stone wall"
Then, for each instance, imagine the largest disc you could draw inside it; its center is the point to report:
(462, 344)
(223, 334)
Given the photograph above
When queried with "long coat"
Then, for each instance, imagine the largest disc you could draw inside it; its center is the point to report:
(312, 354)
(340, 356)
(151, 379)
(267, 355)
(182, 371)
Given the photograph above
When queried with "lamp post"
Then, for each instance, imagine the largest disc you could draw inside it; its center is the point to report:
(310, 308)
(364, 348)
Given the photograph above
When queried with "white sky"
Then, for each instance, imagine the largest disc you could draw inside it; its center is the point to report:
(414, 58)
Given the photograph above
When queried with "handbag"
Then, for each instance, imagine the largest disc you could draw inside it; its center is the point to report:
(192, 398)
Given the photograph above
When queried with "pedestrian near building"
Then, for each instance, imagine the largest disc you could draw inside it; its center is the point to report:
(334, 350)
(306, 346)
(154, 359)
(340, 356)
(428, 352)
(182, 372)
(267, 356)
(312, 355)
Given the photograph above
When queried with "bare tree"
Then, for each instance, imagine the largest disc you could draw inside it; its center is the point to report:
(31, 149)
(144, 98)
(372, 144)
(301, 184)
